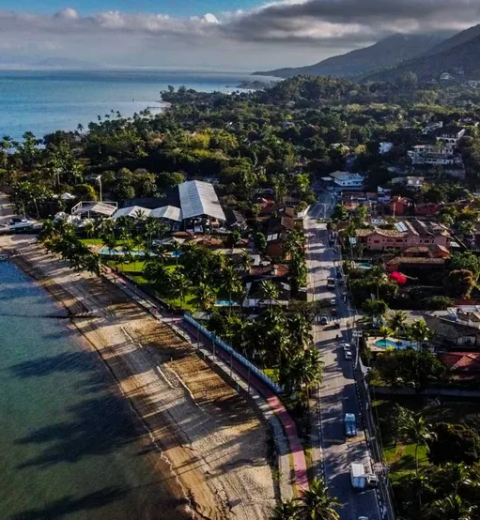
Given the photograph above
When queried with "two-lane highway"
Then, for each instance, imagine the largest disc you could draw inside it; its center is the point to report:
(338, 393)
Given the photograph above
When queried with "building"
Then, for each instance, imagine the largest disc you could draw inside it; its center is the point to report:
(385, 147)
(446, 76)
(450, 135)
(463, 366)
(409, 181)
(452, 335)
(435, 155)
(93, 209)
(406, 234)
(192, 204)
(347, 180)
(407, 263)
(432, 127)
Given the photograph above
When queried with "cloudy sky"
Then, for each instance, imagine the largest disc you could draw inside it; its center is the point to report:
(214, 34)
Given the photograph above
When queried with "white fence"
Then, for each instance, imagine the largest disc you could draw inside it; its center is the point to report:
(227, 348)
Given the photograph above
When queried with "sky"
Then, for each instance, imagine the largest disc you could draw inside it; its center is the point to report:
(231, 35)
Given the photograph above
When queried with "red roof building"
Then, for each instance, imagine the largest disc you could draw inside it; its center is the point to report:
(462, 365)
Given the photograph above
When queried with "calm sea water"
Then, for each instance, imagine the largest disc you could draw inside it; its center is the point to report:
(42, 102)
(68, 442)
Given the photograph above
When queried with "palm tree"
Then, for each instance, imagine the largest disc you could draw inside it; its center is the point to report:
(246, 261)
(414, 428)
(288, 510)
(230, 282)
(89, 228)
(453, 507)
(126, 253)
(300, 330)
(419, 332)
(179, 285)
(204, 296)
(385, 332)
(397, 321)
(269, 291)
(317, 504)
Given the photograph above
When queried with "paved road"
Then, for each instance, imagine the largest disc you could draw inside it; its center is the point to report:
(338, 394)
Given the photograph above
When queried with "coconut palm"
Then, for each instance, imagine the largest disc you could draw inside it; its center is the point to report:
(204, 296)
(452, 507)
(269, 291)
(230, 282)
(179, 285)
(419, 332)
(397, 321)
(300, 330)
(288, 510)
(89, 228)
(414, 428)
(385, 332)
(246, 261)
(317, 504)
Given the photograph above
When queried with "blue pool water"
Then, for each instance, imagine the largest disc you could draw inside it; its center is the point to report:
(364, 265)
(113, 252)
(388, 343)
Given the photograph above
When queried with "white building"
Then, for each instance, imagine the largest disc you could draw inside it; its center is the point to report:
(347, 180)
(385, 147)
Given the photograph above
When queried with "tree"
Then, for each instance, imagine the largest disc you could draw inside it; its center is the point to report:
(419, 332)
(375, 308)
(179, 285)
(300, 330)
(459, 283)
(413, 428)
(246, 261)
(465, 261)
(231, 282)
(397, 321)
(287, 510)
(270, 291)
(260, 242)
(385, 332)
(234, 238)
(452, 507)
(204, 296)
(317, 504)
(454, 443)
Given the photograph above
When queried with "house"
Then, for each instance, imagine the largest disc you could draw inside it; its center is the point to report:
(446, 76)
(432, 127)
(473, 83)
(409, 181)
(385, 147)
(406, 263)
(93, 209)
(451, 334)
(432, 251)
(450, 135)
(399, 206)
(426, 209)
(347, 180)
(435, 155)
(235, 219)
(406, 234)
(135, 212)
(461, 365)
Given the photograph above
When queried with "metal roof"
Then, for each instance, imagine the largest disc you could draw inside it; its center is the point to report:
(198, 198)
(101, 208)
(132, 211)
(168, 212)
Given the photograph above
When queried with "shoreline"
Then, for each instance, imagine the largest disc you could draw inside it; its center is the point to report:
(129, 343)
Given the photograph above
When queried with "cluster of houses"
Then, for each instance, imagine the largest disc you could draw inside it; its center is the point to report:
(194, 214)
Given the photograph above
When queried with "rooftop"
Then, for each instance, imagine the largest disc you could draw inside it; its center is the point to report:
(132, 211)
(168, 212)
(198, 198)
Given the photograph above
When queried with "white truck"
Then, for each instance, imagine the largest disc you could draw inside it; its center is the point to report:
(360, 478)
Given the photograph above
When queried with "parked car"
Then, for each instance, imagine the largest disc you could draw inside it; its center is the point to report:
(347, 354)
(323, 320)
(336, 325)
(346, 346)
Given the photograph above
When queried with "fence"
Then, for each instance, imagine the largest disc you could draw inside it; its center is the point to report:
(227, 348)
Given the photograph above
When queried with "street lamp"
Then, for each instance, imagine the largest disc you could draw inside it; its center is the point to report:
(100, 187)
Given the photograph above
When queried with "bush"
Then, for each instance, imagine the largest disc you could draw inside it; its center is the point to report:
(436, 303)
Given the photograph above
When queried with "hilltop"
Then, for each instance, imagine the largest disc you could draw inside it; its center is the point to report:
(385, 53)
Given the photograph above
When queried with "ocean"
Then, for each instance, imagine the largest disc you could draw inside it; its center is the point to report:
(45, 101)
(69, 443)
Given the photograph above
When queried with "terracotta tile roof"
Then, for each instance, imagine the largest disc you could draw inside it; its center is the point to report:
(464, 362)
(273, 270)
(416, 260)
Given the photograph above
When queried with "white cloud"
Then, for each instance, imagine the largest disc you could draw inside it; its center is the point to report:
(275, 33)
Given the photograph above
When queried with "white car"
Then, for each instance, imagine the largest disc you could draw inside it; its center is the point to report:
(347, 354)
(347, 347)
(333, 301)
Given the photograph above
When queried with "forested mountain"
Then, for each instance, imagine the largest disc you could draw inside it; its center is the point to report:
(459, 55)
(385, 53)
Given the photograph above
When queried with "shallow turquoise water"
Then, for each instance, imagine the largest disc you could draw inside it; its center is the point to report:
(68, 442)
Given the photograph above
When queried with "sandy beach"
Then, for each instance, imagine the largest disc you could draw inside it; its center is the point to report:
(204, 438)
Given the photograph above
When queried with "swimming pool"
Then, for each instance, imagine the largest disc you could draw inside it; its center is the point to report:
(113, 252)
(363, 265)
(390, 343)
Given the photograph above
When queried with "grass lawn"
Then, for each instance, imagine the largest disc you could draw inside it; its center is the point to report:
(402, 456)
